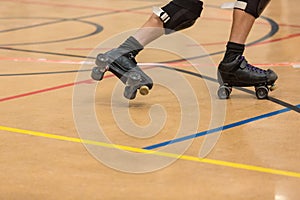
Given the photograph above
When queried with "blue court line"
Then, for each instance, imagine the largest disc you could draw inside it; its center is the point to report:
(235, 124)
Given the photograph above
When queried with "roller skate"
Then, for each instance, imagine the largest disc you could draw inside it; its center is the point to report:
(121, 62)
(241, 74)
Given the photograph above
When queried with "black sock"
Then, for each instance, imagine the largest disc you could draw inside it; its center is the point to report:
(232, 51)
(131, 45)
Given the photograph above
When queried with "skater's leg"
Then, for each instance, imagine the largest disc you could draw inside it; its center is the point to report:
(234, 69)
(176, 15)
(244, 15)
(234, 66)
(150, 31)
(240, 29)
(241, 26)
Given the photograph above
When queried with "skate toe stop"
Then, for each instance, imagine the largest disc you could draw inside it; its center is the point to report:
(273, 87)
(144, 90)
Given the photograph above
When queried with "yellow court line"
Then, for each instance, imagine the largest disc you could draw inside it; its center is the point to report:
(158, 153)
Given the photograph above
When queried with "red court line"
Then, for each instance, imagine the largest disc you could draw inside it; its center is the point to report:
(278, 39)
(45, 90)
(290, 25)
(90, 81)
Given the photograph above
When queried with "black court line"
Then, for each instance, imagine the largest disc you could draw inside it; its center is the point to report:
(273, 31)
(272, 99)
(45, 52)
(60, 20)
(57, 20)
(285, 104)
(98, 29)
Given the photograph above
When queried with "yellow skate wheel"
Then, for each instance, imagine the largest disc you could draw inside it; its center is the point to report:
(144, 90)
(273, 87)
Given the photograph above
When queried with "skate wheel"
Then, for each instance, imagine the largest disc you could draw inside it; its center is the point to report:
(130, 92)
(224, 92)
(101, 60)
(133, 78)
(262, 92)
(97, 74)
(144, 90)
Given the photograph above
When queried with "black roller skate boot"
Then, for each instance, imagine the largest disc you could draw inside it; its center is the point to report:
(121, 62)
(241, 74)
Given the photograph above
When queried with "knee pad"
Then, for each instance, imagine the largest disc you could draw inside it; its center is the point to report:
(179, 14)
(253, 7)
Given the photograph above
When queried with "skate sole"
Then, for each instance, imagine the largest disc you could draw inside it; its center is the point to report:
(132, 80)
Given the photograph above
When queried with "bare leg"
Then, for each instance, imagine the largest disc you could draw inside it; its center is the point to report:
(124, 56)
(241, 26)
(150, 31)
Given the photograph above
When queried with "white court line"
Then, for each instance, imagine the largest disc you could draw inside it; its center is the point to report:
(179, 64)
(296, 66)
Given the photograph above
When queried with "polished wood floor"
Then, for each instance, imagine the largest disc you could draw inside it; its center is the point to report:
(64, 136)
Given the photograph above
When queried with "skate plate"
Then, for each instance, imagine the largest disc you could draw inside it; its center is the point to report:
(261, 91)
(131, 79)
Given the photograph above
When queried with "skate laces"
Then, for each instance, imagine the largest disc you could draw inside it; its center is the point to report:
(253, 68)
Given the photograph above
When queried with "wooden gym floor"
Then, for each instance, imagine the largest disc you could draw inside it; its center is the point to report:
(49, 148)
